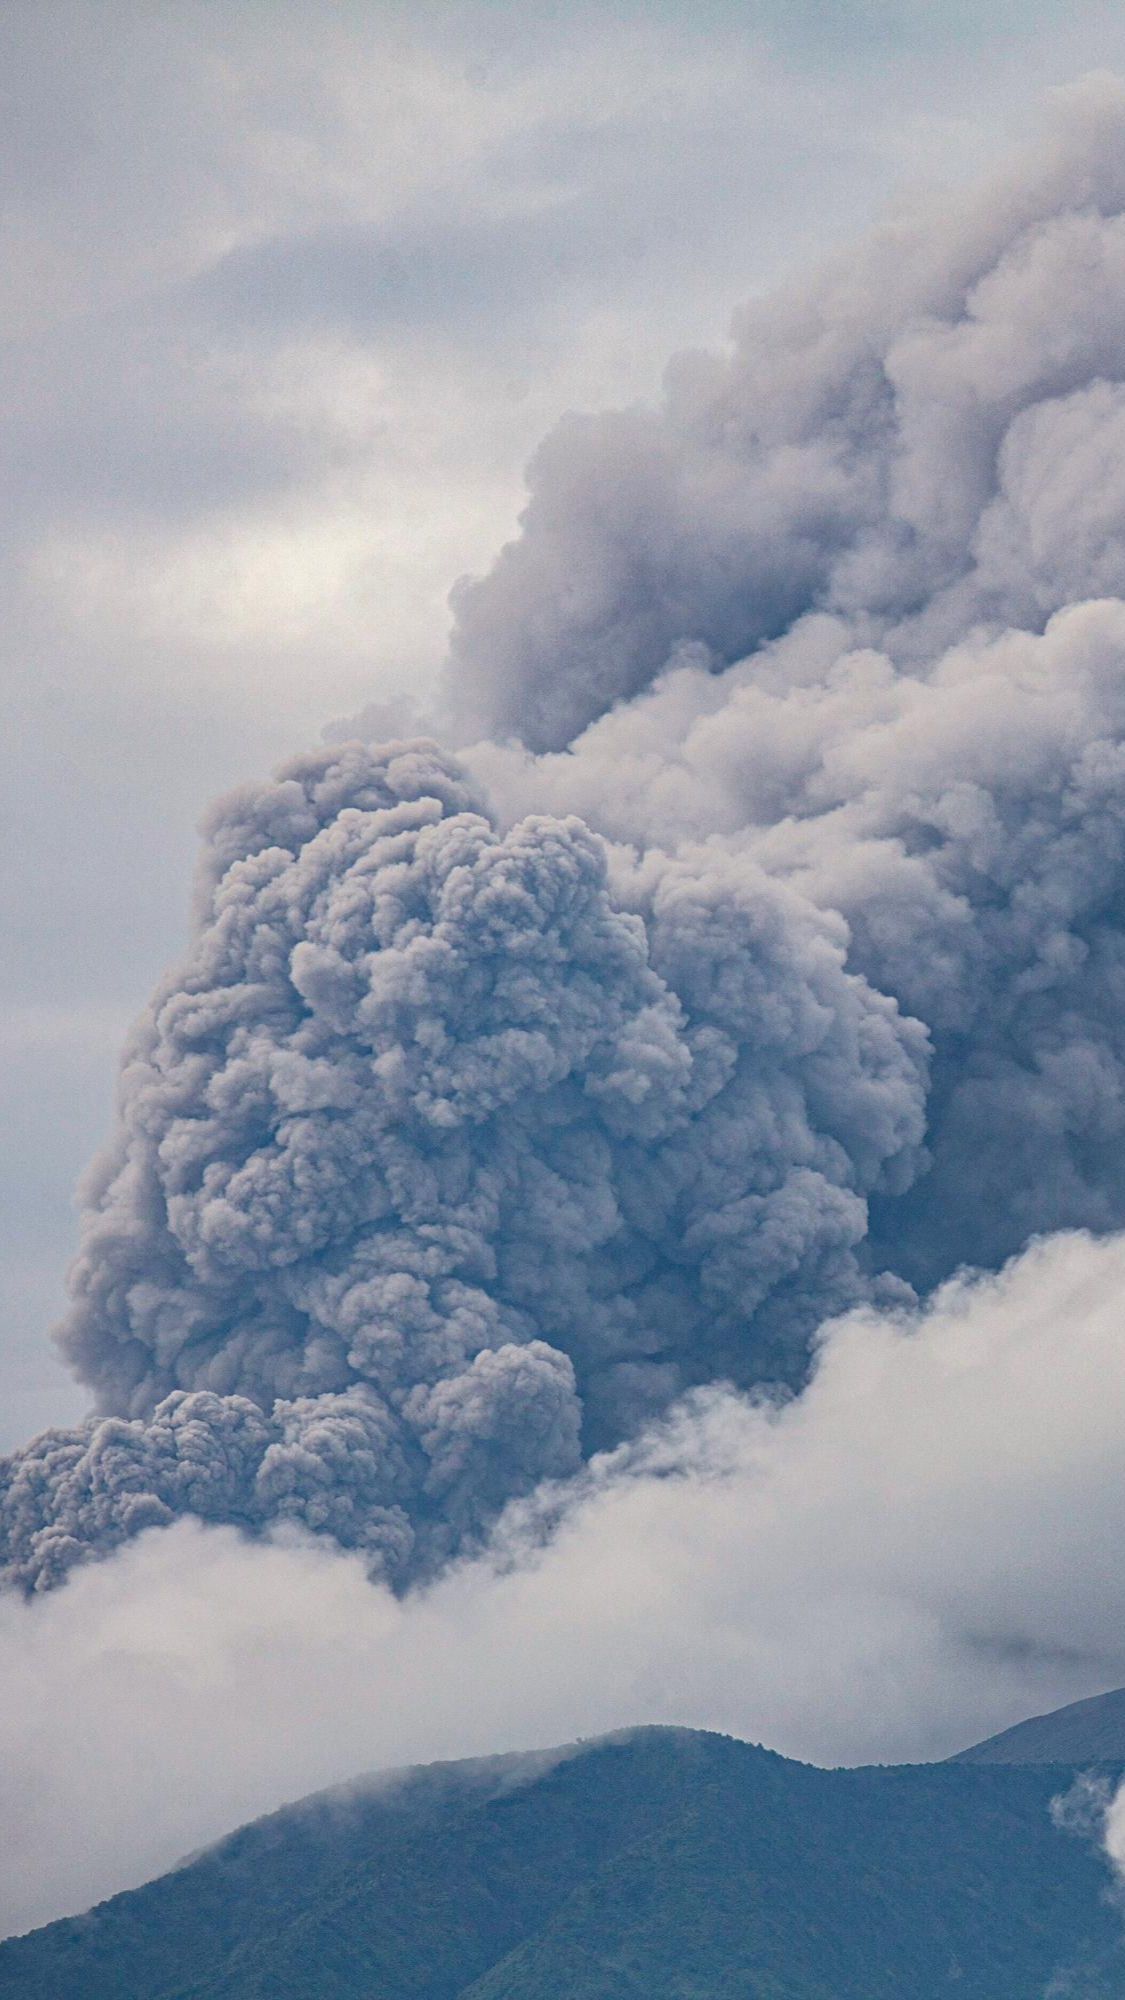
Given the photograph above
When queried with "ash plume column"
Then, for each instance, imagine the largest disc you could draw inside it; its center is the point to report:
(852, 603)
(437, 1167)
(764, 954)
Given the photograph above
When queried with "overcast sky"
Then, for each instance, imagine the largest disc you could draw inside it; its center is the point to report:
(285, 310)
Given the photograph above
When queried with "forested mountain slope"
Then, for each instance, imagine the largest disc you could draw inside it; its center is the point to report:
(664, 1862)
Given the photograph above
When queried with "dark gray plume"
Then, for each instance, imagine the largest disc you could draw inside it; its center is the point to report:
(437, 1166)
(466, 1139)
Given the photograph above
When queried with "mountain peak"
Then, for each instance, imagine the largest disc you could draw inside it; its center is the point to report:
(1084, 1732)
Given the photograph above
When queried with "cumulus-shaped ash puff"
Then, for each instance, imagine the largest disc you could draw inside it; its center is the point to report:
(863, 581)
(969, 825)
(467, 1139)
(926, 434)
(438, 1165)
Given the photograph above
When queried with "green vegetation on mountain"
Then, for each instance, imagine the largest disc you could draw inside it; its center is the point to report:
(665, 1863)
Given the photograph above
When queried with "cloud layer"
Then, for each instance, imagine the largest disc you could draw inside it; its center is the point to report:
(921, 1547)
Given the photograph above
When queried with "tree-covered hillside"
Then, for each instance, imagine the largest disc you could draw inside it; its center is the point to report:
(667, 1863)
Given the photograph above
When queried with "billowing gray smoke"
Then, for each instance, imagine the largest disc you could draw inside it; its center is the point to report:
(926, 437)
(437, 1165)
(466, 1139)
(864, 583)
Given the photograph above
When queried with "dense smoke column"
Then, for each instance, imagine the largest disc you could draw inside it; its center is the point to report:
(923, 436)
(969, 827)
(765, 952)
(438, 1165)
(850, 603)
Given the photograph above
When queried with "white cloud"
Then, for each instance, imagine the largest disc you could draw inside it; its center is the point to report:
(922, 1547)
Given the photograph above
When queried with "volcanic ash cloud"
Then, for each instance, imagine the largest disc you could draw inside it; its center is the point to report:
(437, 1166)
(467, 1139)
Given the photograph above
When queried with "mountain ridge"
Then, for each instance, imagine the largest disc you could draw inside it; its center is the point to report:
(656, 1860)
(1084, 1732)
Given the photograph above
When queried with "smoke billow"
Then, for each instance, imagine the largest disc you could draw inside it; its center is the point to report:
(437, 1165)
(924, 436)
(468, 1139)
(864, 585)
